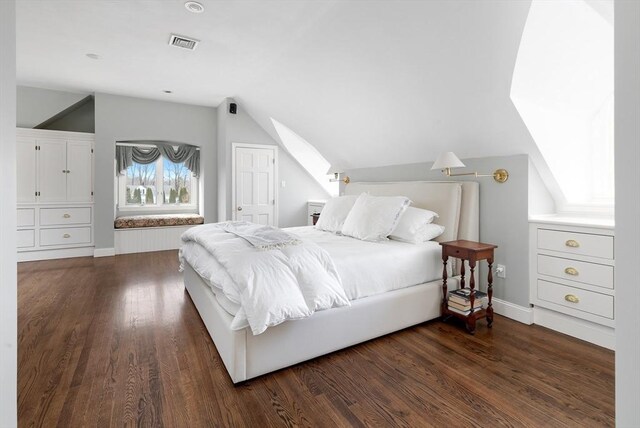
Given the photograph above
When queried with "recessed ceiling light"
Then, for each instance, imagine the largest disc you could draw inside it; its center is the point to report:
(93, 56)
(166, 91)
(194, 7)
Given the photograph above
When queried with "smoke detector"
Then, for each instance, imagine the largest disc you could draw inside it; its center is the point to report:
(194, 7)
(183, 42)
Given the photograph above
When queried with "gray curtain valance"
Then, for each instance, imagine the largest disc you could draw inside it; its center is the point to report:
(127, 155)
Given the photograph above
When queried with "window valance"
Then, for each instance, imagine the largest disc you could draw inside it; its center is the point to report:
(126, 155)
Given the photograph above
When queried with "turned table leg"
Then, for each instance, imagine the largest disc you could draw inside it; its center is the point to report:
(471, 319)
(490, 293)
(444, 284)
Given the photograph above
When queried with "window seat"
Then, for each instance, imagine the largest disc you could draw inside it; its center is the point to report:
(157, 220)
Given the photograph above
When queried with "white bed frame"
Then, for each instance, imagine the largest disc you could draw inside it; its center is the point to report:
(246, 356)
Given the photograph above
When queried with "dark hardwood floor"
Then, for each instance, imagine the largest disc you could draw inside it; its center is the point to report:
(117, 341)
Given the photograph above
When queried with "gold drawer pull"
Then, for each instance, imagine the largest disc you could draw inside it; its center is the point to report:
(67, 216)
(572, 243)
(571, 271)
(571, 298)
(66, 235)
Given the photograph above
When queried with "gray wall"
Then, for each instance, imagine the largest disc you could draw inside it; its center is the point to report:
(123, 118)
(300, 186)
(8, 280)
(627, 241)
(504, 212)
(35, 105)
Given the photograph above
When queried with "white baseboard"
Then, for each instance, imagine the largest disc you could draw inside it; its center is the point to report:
(64, 253)
(515, 312)
(585, 330)
(142, 240)
(104, 252)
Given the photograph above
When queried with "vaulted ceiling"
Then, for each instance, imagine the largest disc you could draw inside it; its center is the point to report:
(367, 83)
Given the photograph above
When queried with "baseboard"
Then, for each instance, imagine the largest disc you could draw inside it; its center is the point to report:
(581, 329)
(515, 312)
(64, 253)
(104, 252)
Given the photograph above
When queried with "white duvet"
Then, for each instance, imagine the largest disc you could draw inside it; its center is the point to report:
(270, 286)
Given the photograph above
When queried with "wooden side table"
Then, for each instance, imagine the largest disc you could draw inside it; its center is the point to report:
(472, 252)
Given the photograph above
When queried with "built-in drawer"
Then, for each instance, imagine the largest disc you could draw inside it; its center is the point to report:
(26, 217)
(575, 270)
(26, 238)
(65, 236)
(64, 216)
(576, 298)
(585, 244)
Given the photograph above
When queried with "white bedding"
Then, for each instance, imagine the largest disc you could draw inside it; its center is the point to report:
(365, 268)
(284, 283)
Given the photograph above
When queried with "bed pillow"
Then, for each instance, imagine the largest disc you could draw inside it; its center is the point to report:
(411, 226)
(372, 218)
(426, 233)
(335, 212)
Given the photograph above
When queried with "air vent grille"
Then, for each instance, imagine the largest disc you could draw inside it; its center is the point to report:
(183, 42)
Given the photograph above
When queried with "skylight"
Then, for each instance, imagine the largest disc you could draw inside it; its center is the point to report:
(563, 89)
(307, 156)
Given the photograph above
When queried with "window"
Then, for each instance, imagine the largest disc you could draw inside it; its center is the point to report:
(563, 89)
(161, 185)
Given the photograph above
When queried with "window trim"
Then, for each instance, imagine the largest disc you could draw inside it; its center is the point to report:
(122, 205)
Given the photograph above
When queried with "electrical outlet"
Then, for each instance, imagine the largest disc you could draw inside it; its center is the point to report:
(501, 271)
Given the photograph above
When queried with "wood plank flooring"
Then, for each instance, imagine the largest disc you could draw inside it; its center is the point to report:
(116, 341)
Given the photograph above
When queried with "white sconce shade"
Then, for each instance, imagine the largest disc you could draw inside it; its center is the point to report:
(447, 160)
(335, 169)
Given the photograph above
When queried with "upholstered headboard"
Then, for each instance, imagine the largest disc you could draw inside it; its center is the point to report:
(457, 203)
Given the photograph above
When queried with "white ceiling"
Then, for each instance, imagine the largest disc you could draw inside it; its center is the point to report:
(368, 83)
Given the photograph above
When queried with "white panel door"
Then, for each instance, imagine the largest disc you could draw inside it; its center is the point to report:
(79, 167)
(26, 170)
(52, 166)
(255, 185)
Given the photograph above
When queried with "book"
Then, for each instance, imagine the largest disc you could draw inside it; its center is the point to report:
(463, 294)
(466, 302)
(466, 313)
(466, 307)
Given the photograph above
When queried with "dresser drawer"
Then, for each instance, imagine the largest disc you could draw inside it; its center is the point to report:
(64, 216)
(26, 238)
(574, 270)
(26, 217)
(576, 298)
(585, 244)
(65, 236)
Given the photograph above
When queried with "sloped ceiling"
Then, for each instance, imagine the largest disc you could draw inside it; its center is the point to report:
(368, 83)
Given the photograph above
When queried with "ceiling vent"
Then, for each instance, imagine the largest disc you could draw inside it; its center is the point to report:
(183, 42)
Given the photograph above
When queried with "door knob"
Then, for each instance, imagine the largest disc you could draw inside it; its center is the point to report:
(239, 208)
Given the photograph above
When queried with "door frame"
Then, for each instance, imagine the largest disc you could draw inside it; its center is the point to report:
(271, 147)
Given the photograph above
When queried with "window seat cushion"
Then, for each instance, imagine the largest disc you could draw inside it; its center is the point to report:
(159, 220)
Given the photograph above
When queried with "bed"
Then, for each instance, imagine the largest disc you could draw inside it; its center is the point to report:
(381, 303)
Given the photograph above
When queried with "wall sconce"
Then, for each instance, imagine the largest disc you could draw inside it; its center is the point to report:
(337, 171)
(448, 160)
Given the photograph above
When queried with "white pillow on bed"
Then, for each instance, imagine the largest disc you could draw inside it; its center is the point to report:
(415, 226)
(372, 218)
(335, 212)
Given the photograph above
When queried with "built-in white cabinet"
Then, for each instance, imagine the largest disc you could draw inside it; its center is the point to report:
(55, 194)
(572, 277)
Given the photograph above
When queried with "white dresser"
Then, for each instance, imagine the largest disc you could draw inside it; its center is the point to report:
(313, 207)
(572, 270)
(55, 194)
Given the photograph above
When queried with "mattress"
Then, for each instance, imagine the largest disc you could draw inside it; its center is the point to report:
(365, 268)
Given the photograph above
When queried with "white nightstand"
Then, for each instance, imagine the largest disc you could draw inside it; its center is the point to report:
(313, 207)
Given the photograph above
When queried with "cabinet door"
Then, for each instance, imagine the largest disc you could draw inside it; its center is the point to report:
(52, 166)
(26, 170)
(79, 177)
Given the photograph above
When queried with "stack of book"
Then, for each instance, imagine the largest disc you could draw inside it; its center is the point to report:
(459, 301)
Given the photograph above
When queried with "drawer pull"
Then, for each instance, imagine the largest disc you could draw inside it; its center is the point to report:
(572, 243)
(571, 271)
(67, 216)
(66, 235)
(571, 298)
